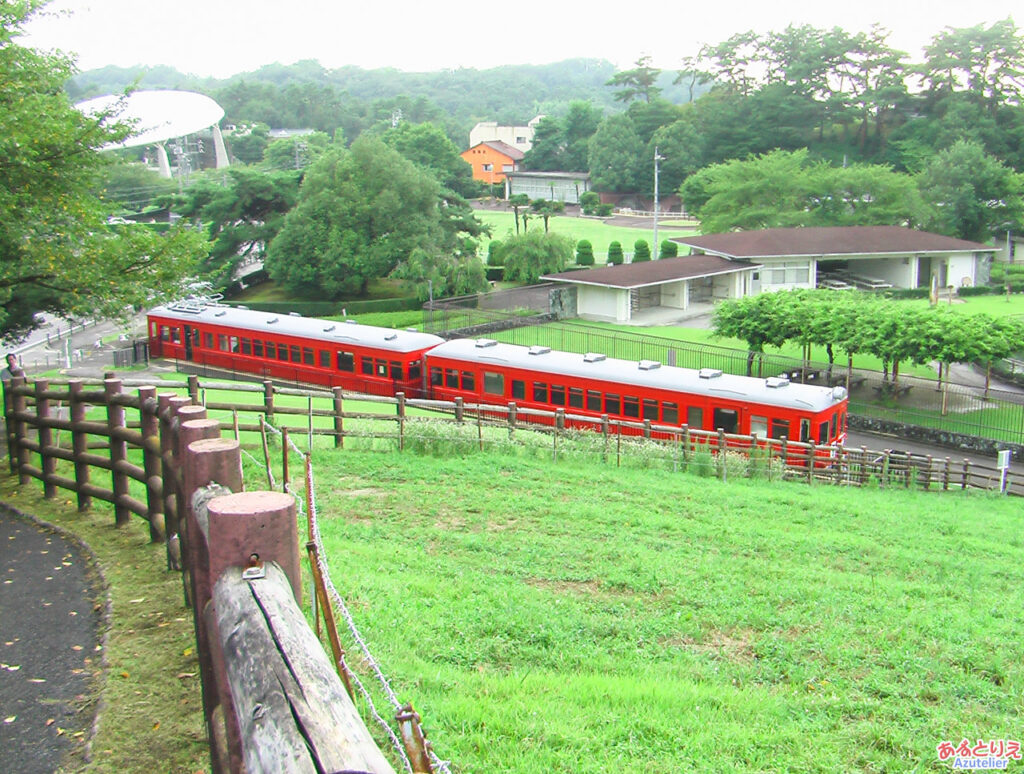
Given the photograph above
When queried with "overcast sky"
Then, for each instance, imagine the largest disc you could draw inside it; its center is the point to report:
(224, 37)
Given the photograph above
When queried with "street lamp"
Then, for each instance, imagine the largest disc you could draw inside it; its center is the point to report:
(657, 247)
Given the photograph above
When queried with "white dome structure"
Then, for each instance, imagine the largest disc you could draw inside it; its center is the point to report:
(159, 116)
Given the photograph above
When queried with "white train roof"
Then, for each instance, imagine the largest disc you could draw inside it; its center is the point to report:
(328, 331)
(645, 373)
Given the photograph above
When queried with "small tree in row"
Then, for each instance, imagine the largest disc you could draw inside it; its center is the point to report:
(641, 251)
(584, 253)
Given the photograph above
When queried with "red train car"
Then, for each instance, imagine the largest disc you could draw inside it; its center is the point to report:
(486, 371)
(362, 358)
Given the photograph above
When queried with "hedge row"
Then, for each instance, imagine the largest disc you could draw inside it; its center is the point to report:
(328, 308)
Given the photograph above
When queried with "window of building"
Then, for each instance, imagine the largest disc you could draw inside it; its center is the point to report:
(381, 368)
(282, 352)
(805, 430)
(415, 370)
(395, 370)
(488, 167)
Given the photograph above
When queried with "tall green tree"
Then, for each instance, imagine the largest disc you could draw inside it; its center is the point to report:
(57, 252)
(616, 155)
(637, 83)
(427, 146)
(361, 212)
(971, 194)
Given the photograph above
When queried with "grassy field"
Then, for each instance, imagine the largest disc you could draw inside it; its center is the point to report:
(565, 618)
(599, 233)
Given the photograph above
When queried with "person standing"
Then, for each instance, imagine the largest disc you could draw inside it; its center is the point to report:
(12, 369)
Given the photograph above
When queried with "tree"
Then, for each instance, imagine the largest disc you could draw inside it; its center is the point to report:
(971, 194)
(361, 212)
(546, 208)
(616, 155)
(57, 252)
(248, 144)
(243, 212)
(641, 251)
(427, 146)
(615, 253)
(584, 253)
(517, 202)
(296, 152)
(637, 83)
(530, 255)
(132, 186)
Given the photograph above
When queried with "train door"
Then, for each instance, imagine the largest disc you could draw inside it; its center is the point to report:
(191, 340)
(805, 431)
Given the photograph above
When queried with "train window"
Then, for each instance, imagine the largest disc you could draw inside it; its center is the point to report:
(165, 332)
(540, 392)
(282, 352)
(176, 335)
(271, 350)
(346, 361)
(494, 384)
(593, 400)
(395, 368)
(725, 419)
(451, 378)
(575, 397)
(823, 432)
(246, 346)
(612, 404)
(651, 409)
(367, 366)
(557, 395)
(222, 342)
(415, 370)
(154, 329)
(780, 429)
(257, 348)
(805, 430)
(234, 344)
(208, 340)
(759, 426)
(519, 389)
(835, 426)
(436, 377)
(695, 417)
(670, 413)
(468, 381)
(325, 358)
(307, 355)
(631, 406)
(382, 368)
(296, 353)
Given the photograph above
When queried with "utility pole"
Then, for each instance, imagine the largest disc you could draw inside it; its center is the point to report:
(657, 246)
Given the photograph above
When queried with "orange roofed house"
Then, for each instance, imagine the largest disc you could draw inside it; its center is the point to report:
(491, 159)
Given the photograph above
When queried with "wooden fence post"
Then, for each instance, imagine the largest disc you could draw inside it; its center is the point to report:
(339, 417)
(150, 428)
(20, 405)
(945, 475)
(863, 465)
(400, 409)
(79, 443)
(811, 457)
(47, 462)
(12, 445)
(927, 482)
(721, 452)
(285, 451)
(512, 411)
(193, 389)
(268, 400)
(459, 410)
(118, 451)
(169, 473)
(965, 475)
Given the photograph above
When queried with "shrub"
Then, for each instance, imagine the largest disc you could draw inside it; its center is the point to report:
(641, 251)
(589, 203)
(615, 253)
(494, 254)
(604, 210)
(669, 249)
(584, 253)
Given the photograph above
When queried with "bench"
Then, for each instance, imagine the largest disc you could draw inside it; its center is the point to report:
(888, 389)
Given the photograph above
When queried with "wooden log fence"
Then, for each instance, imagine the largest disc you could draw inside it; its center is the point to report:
(399, 420)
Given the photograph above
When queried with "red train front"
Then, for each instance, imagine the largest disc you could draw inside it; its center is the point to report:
(362, 358)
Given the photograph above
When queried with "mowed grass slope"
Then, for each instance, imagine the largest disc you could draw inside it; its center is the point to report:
(590, 619)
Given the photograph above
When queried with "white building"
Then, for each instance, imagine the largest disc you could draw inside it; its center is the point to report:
(519, 137)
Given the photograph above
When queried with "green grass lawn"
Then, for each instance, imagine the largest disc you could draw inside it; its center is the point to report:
(597, 231)
(589, 619)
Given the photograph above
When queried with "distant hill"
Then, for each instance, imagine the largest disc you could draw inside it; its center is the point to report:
(306, 94)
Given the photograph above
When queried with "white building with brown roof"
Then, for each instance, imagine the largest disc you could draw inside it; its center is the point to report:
(866, 257)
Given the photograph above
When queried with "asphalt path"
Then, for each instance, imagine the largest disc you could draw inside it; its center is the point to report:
(50, 646)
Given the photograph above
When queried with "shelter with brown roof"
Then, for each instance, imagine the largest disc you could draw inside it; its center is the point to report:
(847, 257)
(657, 292)
(492, 160)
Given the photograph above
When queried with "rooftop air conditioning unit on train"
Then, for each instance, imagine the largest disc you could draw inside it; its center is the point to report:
(709, 373)
(649, 365)
(775, 382)
(482, 343)
(594, 357)
(539, 350)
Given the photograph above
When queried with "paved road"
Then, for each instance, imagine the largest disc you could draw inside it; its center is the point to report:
(49, 645)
